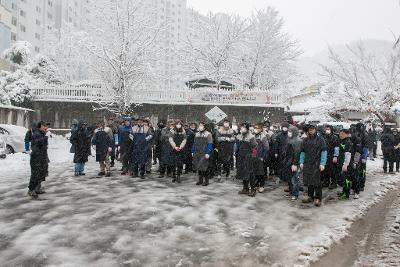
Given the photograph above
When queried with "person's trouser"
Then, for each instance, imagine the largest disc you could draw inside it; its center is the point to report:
(388, 160)
(295, 184)
(362, 174)
(260, 180)
(126, 161)
(188, 161)
(79, 168)
(224, 165)
(315, 192)
(38, 174)
(328, 175)
(177, 170)
(139, 168)
(351, 181)
(105, 165)
(165, 168)
(112, 154)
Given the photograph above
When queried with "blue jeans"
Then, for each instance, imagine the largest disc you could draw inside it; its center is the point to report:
(296, 184)
(79, 168)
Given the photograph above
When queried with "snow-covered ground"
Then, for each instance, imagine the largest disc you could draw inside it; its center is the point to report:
(122, 221)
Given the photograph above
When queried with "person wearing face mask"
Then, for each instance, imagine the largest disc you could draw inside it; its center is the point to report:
(345, 162)
(166, 157)
(291, 162)
(246, 153)
(332, 146)
(312, 161)
(388, 147)
(201, 151)
(177, 141)
(188, 160)
(125, 145)
(261, 157)
(280, 146)
(157, 142)
(226, 140)
(396, 149)
(141, 137)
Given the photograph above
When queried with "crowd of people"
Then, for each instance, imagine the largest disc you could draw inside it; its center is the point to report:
(307, 157)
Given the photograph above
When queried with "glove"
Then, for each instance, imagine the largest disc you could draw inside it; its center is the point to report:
(192, 155)
(177, 149)
(301, 166)
(110, 149)
(131, 136)
(276, 155)
(321, 168)
(294, 168)
(334, 160)
(207, 156)
(344, 168)
(354, 165)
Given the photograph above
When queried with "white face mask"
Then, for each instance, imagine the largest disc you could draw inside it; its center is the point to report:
(243, 130)
(201, 128)
(257, 131)
(284, 129)
(178, 126)
(226, 125)
(328, 132)
(290, 134)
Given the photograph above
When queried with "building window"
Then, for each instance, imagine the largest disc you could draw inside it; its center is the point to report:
(37, 49)
(23, 1)
(14, 21)
(50, 3)
(14, 6)
(38, 10)
(23, 28)
(50, 16)
(38, 22)
(37, 36)
(13, 37)
(22, 13)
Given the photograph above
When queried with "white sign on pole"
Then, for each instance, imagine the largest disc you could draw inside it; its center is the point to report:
(216, 114)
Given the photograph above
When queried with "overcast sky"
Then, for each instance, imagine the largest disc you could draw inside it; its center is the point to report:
(317, 23)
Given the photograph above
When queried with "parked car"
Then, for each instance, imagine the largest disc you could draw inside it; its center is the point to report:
(14, 137)
(3, 151)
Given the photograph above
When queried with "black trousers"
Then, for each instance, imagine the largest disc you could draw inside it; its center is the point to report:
(260, 180)
(362, 174)
(38, 174)
(329, 175)
(224, 165)
(388, 159)
(139, 168)
(315, 192)
(164, 168)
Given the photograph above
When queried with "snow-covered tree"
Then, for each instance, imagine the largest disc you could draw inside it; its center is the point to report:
(211, 50)
(15, 87)
(363, 81)
(120, 42)
(267, 52)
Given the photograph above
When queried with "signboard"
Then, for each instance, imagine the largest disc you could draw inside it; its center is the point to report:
(232, 97)
(216, 114)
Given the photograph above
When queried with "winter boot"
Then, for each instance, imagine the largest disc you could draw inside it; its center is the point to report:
(112, 164)
(33, 195)
(317, 202)
(174, 178)
(252, 192)
(178, 178)
(108, 174)
(101, 173)
(76, 174)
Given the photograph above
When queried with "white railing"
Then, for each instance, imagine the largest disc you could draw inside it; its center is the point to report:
(97, 93)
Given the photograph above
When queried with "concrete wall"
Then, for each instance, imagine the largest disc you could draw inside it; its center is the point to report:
(16, 116)
(62, 114)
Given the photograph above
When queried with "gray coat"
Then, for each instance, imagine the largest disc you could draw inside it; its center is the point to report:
(202, 145)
